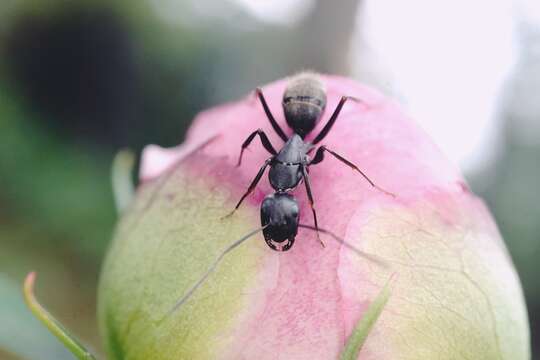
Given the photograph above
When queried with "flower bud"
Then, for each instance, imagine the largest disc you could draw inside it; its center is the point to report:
(454, 292)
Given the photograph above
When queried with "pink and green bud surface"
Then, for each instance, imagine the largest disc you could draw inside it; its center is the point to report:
(453, 292)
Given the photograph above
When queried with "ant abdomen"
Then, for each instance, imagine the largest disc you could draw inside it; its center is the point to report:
(304, 101)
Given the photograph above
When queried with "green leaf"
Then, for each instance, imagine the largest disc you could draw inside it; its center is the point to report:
(51, 323)
(20, 333)
(363, 327)
(121, 178)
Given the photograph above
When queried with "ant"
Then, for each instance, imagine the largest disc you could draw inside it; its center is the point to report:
(304, 101)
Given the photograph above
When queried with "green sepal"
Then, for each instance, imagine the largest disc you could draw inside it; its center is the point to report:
(365, 324)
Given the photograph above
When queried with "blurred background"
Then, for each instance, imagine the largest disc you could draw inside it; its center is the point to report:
(80, 80)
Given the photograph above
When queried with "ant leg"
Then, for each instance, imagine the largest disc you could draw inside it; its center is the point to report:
(319, 156)
(264, 140)
(251, 186)
(371, 257)
(311, 203)
(269, 115)
(333, 118)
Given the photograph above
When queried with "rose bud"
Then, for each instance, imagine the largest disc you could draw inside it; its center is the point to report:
(438, 282)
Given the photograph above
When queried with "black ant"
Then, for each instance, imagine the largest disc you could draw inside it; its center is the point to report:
(304, 102)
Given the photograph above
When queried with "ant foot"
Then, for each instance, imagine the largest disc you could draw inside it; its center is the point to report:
(320, 241)
(386, 192)
(227, 216)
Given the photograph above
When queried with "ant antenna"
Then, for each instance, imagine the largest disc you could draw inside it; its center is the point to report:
(373, 258)
(213, 267)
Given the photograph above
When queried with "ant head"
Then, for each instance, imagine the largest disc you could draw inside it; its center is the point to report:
(280, 215)
(304, 101)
